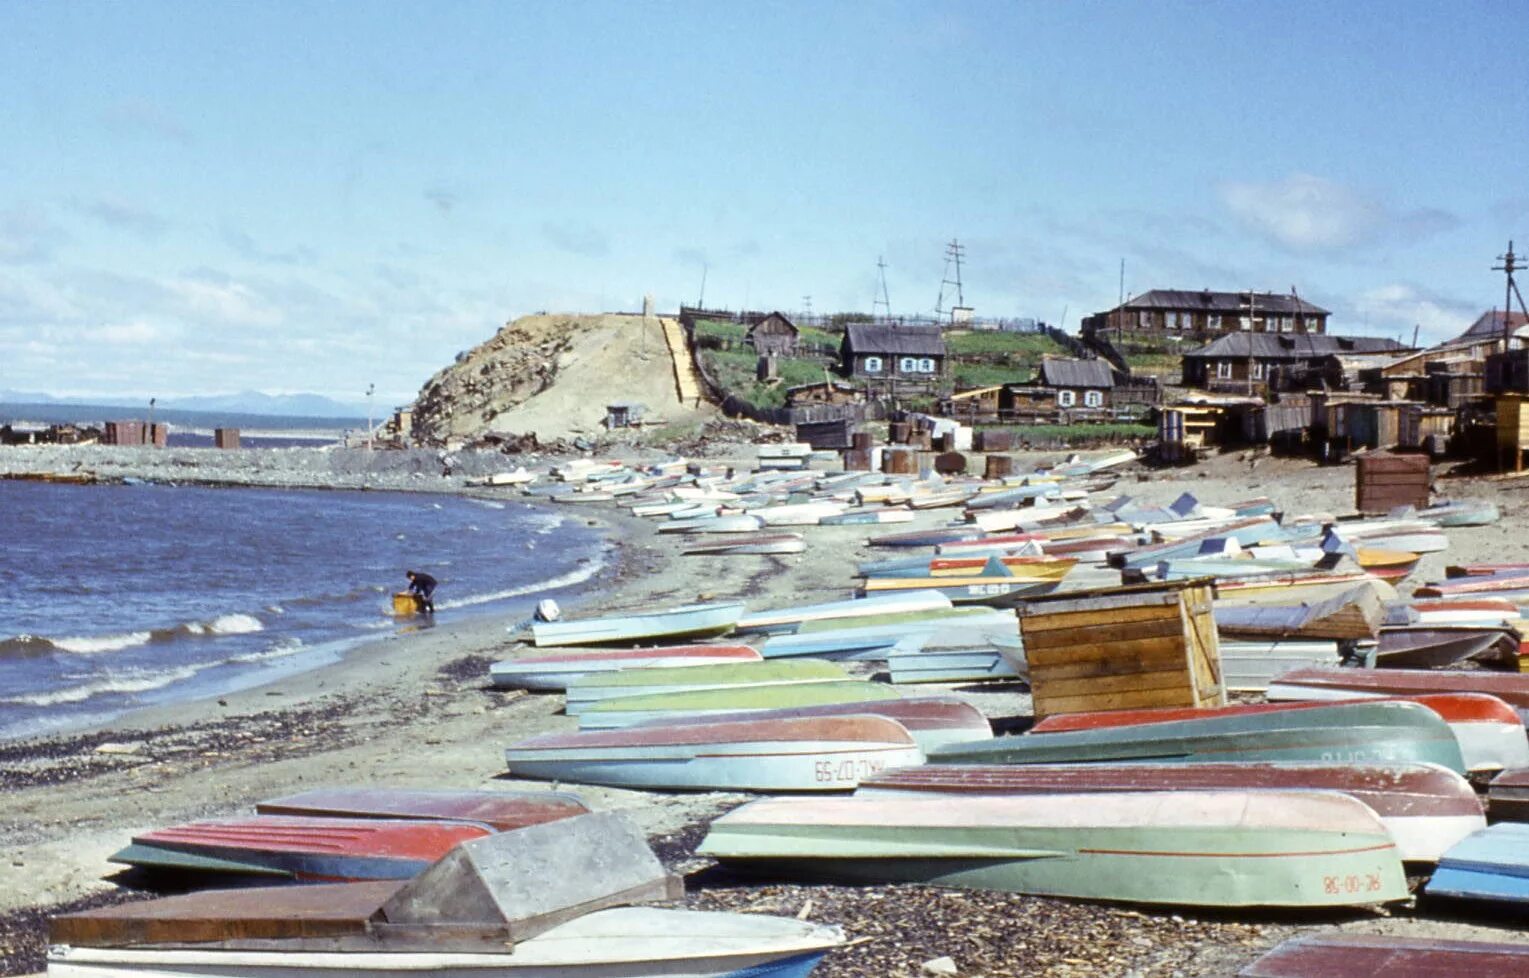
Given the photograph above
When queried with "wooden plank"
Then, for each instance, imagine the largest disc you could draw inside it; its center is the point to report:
(1138, 699)
(1049, 605)
(1095, 639)
(1124, 665)
(265, 913)
(1049, 621)
(1169, 647)
(1158, 679)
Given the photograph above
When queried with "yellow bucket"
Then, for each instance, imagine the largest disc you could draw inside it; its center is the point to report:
(405, 604)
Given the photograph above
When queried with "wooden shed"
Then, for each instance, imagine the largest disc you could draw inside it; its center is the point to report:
(1382, 482)
(1512, 431)
(1145, 645)
(774, 334)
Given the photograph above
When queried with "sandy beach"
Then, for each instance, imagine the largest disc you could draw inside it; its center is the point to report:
(415, 710)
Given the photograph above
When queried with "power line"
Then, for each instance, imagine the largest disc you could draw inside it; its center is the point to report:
(881, 301)
(954, 252)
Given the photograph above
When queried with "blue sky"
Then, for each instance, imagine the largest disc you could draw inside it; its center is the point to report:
(204, 197)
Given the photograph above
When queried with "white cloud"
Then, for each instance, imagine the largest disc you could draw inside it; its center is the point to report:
(125, 216)
(28, 236)
(1303, 212)
(224, 302)
(137, 333)
(1398, 306)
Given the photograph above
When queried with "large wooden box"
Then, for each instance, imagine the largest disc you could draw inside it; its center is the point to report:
(1135, 647)
(1383, 482)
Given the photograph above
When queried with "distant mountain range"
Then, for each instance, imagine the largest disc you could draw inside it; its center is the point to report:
(245, 402)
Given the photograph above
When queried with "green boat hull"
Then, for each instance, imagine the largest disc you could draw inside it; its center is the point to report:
(627, 710)
(1360, 733)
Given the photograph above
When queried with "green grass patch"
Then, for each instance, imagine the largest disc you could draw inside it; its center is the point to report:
(1028, 346)
(968, 375)
(733, 370)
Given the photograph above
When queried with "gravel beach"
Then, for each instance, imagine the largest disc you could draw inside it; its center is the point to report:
(415, 709)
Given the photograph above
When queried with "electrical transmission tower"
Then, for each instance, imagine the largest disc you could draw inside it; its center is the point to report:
(1510, 264)
(881, 301)
(954, 252)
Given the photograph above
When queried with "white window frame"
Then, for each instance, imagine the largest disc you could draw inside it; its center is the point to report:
(908, 365)
(1223, 370)
(1093, 399)
(873, 365)
(1066, 398)
(926, 365)
(1258, 370)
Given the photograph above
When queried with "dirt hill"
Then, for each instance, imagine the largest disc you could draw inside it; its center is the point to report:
(553, 375)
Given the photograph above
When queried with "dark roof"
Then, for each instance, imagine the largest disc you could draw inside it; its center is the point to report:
(1490, 325)
(1233, 302)
(913, 341)
(1062, 372)
(1294, 346)
(774, 315)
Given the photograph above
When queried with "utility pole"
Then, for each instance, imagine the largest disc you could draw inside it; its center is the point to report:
(151, 421)
(1510, 264)
(1122, 300)
(700, 303)
(881, 301)
(954, 252)
(807, 308)
(370, 389)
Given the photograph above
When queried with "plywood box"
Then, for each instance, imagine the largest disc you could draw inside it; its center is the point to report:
(1136, 647)
(1382, 482)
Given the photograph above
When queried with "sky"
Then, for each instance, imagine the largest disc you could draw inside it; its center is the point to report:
(209, 197)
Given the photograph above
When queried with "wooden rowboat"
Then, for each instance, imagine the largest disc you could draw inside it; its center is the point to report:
(502, 811)
(1491, 865)
(1365, 732)
(683, 622)
(1426, 808)
(1490, 734)
(1200, 848)
(556, 670)
(1388, 956)
(777, 620)
(769, 543)
(621, 942)
(294, 847)
(586, 691)
(1508, 796)
(864, 517)
(627, 710)
(927, 538)
(796, 754)
(1331, 684)
(930, 720)
(1441, 646)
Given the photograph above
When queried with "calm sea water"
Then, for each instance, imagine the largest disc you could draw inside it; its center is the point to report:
(116, 597)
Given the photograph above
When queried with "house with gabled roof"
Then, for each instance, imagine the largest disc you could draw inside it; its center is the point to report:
(1189, 313)
(1251, 362)
(903, 353)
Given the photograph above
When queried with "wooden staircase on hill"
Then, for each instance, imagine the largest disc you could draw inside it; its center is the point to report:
(686, 380)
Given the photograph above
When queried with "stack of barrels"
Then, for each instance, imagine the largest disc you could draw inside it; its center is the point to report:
(913, 447)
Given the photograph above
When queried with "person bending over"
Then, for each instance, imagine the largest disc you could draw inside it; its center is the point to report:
(422, 586)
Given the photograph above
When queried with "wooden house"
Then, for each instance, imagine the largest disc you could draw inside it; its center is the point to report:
(900, 353)
(979, 403)
(774, 334)
(1183, 312)
(1254, 363)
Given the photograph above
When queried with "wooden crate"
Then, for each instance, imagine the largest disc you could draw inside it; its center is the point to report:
(1382, 482)
(1135, 647)
(1512, 431)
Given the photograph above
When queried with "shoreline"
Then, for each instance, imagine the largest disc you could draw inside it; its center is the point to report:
(416, 710)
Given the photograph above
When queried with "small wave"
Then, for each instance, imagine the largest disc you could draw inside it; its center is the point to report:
(234, 624)
(487, 503)
(96, 644)
(287, 646)
(569, 579)
(138, 681)
(25, 646)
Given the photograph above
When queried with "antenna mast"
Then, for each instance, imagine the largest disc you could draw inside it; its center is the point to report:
(701, 302)
(1510, 264)
(881, 301)
(954, 252)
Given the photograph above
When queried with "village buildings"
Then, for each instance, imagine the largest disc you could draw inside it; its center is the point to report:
(892, 353)
(774, 334)
(1189, 313)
